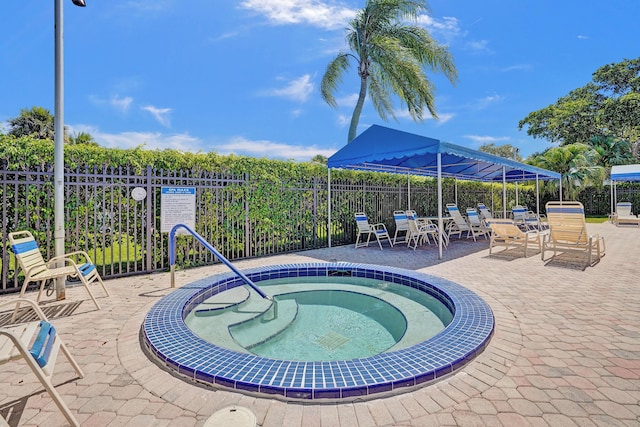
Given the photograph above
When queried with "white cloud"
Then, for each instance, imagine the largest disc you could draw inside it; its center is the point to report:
(160, 114)
(297, 90)
(479, 46)
(224, 36)
(480, 139)
(582, 37)
(448, 28)
(187, 143)
(348, 101)
(264, 148)
(344, 120)
(482, 103)
(312, 12)
(121, 104)
(150, 140)
(517, 67)
(442, 117)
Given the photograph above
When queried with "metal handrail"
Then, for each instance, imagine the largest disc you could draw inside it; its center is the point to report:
(172, 259)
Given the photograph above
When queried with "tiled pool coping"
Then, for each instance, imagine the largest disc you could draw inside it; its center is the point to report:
(173, 343)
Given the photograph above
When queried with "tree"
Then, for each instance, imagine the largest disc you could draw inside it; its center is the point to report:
(81, 138)
(319, 158)
(506, 150)
(607, 106)
(577, 163)
(36, 122)
(391, 58)
(611, 151)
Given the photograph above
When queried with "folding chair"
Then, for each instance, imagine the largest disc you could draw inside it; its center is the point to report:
(38, 343)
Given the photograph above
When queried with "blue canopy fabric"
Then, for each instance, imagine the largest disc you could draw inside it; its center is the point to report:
(625, 173)
(388, 150)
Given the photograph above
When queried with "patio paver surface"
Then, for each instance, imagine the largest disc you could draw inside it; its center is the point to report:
(566, 349)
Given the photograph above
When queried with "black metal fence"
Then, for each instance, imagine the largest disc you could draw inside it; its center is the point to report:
(123, 236)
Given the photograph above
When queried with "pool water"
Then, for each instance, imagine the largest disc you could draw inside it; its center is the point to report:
(322, 332)
(329, 318)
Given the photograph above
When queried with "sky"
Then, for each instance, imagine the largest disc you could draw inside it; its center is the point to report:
(244, 76)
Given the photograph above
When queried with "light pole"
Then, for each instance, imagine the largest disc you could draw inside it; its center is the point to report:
(58, 141)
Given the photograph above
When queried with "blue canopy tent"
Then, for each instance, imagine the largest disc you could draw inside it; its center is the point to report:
(382, 149)
(622, 173)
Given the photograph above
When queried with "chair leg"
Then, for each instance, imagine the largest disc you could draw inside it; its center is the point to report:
(42, 283)
(378, 239)
(22, 292)
(46, 382)
(99, 280)
(86, 286)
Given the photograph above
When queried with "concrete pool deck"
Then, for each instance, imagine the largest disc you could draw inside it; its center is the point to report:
(566, 349)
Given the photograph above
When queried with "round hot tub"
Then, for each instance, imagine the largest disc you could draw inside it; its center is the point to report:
(256, 353)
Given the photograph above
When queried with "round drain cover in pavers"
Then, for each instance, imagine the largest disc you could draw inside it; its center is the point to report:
(235, 416)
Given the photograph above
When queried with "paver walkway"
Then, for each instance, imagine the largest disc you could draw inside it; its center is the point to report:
(566, 350)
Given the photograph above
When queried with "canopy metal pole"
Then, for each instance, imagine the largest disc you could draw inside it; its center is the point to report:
(455, 190)
(560, 187)
(611, 184)
(440, 221)
(329, 206)
(537, 195)
(492, 207)
(408, 190)
(504, 192)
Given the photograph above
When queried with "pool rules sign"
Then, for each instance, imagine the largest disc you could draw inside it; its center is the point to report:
(177, 206)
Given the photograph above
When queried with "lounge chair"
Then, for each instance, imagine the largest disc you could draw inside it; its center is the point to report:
(38, 343)
(568, 232)
(504, 232)
(526, 219)
(379, 230)
(624, 216)
(419, 231)
(478, 227)
(76, 264)
(402, 225)
(485, 213)
(458, 223)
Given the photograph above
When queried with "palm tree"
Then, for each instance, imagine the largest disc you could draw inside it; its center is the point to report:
(612, 151)
(577, 163)
(36, 122)
(391, 57)
(81, 138)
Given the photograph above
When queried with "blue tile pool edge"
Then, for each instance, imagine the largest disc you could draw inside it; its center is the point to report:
(461, 341)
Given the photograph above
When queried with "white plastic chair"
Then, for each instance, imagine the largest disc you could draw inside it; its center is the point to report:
(402, 225)
(477, 226)
(76, 264)
(38, 343)
(379, 230)
(458, 224)
(485, 213)
(419, 231)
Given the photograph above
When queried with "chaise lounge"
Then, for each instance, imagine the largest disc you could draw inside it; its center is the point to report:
(568, 232)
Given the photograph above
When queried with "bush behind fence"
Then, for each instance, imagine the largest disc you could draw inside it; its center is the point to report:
(241, 214)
